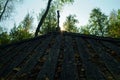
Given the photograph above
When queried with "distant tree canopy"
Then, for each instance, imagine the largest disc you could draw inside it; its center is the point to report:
(4, 36)
(47, 19)
(22, 31)
(17, 33)
(114, 24)
(102, 25)
(98, 22)
(70, 24)
(85, 29)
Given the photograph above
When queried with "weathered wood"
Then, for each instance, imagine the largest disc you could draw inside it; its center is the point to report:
(4, 51)
(12, 53)
(92, 71)
(16, 61)
(112, 47)
(8, 59)
(48, 70)
(40, 58)
(34, 59)
(68, 68)
(111, 64)
(16, 51)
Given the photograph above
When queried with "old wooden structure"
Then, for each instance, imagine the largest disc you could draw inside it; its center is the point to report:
(61, 56)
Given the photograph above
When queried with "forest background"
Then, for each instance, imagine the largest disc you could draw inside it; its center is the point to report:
(22, 19)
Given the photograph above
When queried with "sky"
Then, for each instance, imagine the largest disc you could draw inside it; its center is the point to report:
(81, 8)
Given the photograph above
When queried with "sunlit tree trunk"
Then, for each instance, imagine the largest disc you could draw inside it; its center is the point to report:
(43, 18)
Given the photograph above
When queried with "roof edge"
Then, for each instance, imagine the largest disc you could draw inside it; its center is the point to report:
(93, 37)
(28, 39)
(64, 33)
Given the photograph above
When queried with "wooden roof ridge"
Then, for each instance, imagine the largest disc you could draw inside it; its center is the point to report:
(65, 33)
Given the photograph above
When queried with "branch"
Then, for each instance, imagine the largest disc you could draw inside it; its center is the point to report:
(43, 18)
(3, 10)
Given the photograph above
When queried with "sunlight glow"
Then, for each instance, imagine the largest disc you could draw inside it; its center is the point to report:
(62, 28)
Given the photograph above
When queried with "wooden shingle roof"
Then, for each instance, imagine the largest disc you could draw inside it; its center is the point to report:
(61, 56)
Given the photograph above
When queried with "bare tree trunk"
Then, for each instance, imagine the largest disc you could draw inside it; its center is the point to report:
(43, 18)
(3, 10)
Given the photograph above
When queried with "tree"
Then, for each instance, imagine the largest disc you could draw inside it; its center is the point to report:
(98, 23)
(85, 29)
(43, 18)
(3, 8)
(22, 31)
(6, 7)
(17, 34)
(4, 36)
(46, 12)
(50, 22)
(27, 22)
(70, 24)
(114, 24)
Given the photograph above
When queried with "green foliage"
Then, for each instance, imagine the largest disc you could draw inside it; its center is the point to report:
(22, 31)
(70, 24)
(1, 29)
(27, 22)
(118, 16)
(59, 4)
(63, 1)
(114, 24)
(18, 33)
(98, 23)
(4, 36)
(85, 29)
(50, 22)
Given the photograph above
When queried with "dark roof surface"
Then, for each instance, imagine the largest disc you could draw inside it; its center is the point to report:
(61, 56)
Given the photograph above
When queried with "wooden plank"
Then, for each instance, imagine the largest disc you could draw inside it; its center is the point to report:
(92, 71)
(111, 64)
(12, 53)
(112, 46)
(48, 70)
(68, 67)
(33, 61)
(16, 61)
(5, 50)
(15, 52)
(9, 57)
(6, 61)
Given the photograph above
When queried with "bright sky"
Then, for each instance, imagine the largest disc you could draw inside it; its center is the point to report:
(81, 8)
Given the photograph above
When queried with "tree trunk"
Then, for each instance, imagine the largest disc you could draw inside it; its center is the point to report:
(43, 18)
(3, 10)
